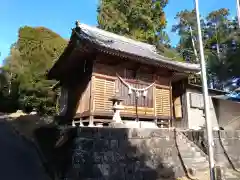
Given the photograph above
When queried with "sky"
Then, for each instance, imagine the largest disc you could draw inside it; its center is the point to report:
(60, 16)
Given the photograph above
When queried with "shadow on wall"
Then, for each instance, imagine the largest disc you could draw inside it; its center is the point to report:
(116, 154)
(20, 158)
(28, 143)
(199, 138)
(93, 153)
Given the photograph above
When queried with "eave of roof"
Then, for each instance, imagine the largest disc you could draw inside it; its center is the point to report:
(212, 90)
(226, 98)
(121, 45)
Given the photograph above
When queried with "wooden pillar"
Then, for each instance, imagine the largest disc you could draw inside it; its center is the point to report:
(154, 98)
(171, 101)
(80, 122)
(91, 104)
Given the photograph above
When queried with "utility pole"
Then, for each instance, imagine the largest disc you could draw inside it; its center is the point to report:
(205, 96)
(238, 13)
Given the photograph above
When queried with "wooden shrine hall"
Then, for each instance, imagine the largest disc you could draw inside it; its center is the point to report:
(97, 67)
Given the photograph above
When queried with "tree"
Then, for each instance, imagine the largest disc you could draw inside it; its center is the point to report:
(221, 43)
(3, 79)
(187, 30)
(220, 31)
(31, 56)
(8, 95)
(142, 20)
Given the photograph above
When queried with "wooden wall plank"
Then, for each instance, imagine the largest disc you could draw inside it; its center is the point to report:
(84, 100)
(107, 84)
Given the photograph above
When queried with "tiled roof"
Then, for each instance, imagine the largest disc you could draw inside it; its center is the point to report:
(122, 44)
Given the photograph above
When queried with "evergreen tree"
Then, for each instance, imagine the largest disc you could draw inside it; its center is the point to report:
(221, 43)
(142, 20)
(31, 56)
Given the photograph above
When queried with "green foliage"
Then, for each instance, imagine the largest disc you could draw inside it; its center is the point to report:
(221, 32)
(138, 19)
(186, 20)
(8, 93)
(3, 79)
(218, 31)
(31, 56)
(142, 20)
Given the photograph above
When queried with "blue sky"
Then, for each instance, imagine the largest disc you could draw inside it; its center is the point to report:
(60, 15)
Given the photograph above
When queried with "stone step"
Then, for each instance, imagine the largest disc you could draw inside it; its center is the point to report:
(198, 165)
(188, 148)
(183, 140)
(198, 169)
(222, 164)
(195, 160)
(180, 142)
(230, 174)
(191, 154)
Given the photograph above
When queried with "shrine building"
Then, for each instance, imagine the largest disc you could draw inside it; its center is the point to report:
(98, 67)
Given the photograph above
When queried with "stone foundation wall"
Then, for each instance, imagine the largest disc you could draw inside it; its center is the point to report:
(226, 146)
(129, 154)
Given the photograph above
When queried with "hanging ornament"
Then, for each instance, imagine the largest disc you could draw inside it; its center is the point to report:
(129, 91)
(144, 93)
(137, 94)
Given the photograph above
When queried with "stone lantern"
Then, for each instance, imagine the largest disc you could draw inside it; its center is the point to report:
(117, 107)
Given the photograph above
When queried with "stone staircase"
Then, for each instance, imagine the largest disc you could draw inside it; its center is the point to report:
(196, 161)
(193, 158)
(226, 156)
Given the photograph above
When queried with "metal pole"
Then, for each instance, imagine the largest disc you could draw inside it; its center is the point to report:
(206, 97)
(238, 13)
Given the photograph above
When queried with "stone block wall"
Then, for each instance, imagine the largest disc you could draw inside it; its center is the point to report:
(124, 154)
(226, 146)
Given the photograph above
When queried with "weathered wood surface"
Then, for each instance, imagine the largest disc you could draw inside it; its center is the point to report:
(84, 102)
(105, 84)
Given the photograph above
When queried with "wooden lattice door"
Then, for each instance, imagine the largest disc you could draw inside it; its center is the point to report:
(103, 89)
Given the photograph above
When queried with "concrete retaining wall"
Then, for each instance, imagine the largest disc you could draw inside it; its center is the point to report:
(104, 153)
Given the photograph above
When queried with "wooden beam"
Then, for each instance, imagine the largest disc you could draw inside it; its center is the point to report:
(103, 76)
(171, 101)
(154, 96)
